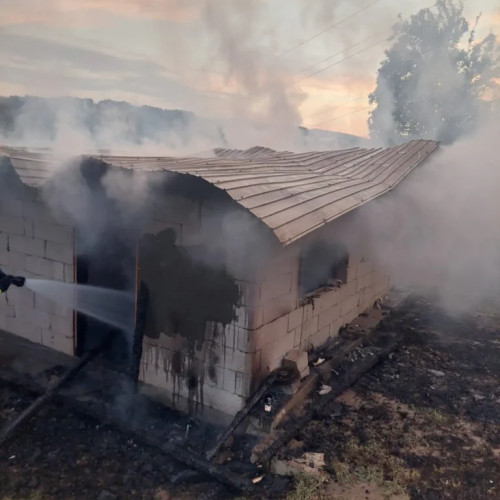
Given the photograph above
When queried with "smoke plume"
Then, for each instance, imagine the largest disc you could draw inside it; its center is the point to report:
(439, 231)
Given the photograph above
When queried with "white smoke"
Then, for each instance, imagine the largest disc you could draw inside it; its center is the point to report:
(439, 230)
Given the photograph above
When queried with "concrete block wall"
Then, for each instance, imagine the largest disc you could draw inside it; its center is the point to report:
(33, 244)
(282, 322)
(215, 374)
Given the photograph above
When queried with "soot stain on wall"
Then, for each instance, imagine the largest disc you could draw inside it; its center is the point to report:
(191, 301)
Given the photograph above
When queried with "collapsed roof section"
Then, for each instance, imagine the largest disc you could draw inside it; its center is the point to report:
(293, 194)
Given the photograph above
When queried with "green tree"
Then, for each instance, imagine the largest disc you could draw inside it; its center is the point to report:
(436, 78)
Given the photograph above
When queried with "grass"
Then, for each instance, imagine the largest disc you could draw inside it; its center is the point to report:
(306, 488)
(372, 463)
(436, 417)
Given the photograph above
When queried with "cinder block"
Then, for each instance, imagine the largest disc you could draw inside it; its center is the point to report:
(243, 318)
(348, 305)
(27, 246)
(236, 360)
(320, 337)
(276, 286)
(364, 282)
(58, 342)
(33, 316)
(347, 290)
(335, 327)
(295, 318)
(54, 233)
(59, 252)
(3, 242)
(63, 312)
(244, 340)
(29, 231)
(24, 329)
(221, 400)
(58, 271)
(297, 337)
(243, 383)
(249, 293)
(69, 273)
(352, 272)
(11, 207)
(21, 297)
(40, 266)
(43, 304)
(364, 267)
(61, 325)
(256, 361)
(229, 380)
(270, 332)
(277, 307)
(6, 309)
(255, 317)
(327, 299)
(381, 281)
(11, 224)
(226, 337)
(214, 375)
(274, 352)
(328, 316)
(310, 327)
(14, 261)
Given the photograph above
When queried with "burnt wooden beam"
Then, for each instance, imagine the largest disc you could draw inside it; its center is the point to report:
(321, 372)
(242, 414)
(351, 374)
(52, 390)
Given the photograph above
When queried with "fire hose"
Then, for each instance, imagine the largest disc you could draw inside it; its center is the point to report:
(6, 280)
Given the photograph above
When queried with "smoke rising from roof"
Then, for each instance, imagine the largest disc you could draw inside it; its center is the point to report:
(439, 230)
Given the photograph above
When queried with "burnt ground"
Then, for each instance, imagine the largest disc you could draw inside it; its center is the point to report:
(63, 455)
(424, 424)
(403, 431)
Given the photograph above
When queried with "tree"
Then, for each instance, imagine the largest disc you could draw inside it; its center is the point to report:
(435, 79)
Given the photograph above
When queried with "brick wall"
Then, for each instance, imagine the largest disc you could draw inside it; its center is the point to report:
(281, 324)
(33, 244)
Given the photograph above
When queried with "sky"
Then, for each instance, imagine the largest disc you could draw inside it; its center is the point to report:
(310, 62)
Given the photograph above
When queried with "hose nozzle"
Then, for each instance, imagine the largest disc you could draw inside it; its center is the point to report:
(6, 280)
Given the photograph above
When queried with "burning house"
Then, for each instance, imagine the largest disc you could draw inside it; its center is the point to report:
(234, 260)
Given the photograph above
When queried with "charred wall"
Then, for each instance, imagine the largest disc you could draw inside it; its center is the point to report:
(196, 347)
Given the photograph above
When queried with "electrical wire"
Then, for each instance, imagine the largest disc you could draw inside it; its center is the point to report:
(339, 117)
(334, 107)
(322, 32)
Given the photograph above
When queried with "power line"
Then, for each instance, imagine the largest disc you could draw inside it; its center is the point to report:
(339, 117)
(338, 62)
(334, 107)
(334, 25)
(311, 66)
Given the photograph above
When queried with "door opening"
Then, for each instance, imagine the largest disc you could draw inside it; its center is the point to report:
(112, 266)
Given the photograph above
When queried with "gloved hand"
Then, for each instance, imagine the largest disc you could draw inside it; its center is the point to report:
(6, 280)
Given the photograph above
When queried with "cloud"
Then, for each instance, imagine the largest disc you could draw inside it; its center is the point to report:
(62, 69)
(55, 11)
